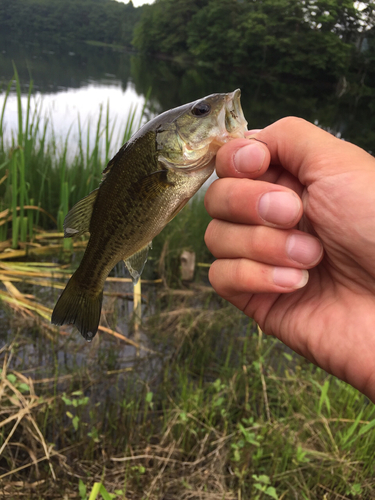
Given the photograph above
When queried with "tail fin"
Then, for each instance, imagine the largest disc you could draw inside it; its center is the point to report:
(79, 307)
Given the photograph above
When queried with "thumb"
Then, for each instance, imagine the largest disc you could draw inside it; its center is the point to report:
(301, 148)
(308, 152)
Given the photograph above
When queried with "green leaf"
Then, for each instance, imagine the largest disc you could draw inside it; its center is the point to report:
(4, 164)
(219, 401)
(75, 422)
(260, 486)
(347, 435)
(271, 492)
(263, 478)
(236, 456)
(95, 491)
(288, 356)
(366, 428)
(12, 378)
(82, 490)
(67, 401)
(104, 493)
(183, 416)
(324, 398)
(23, 387)
(250, 436)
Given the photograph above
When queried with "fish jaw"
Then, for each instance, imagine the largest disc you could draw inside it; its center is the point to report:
(232, 122)
(180, 150)
(232, 125)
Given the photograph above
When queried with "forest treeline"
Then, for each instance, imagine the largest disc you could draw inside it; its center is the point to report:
(307, 38)
(313, 39)
(65, 21)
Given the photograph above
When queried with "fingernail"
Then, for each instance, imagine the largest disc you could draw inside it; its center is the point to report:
(303, 249)
(279, 207)
(289, 277)
(249, 159)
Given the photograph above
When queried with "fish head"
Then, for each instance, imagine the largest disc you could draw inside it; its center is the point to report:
(189, 136)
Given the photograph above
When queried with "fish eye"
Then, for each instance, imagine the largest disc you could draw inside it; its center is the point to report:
(201, 109)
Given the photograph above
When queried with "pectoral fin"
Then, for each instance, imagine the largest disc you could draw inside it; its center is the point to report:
(155, 184)
(78, 218)
(136, 263)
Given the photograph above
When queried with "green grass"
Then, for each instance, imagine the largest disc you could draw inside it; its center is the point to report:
(219, 412)
(39, 175)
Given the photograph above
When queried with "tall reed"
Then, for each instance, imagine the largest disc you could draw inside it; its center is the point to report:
(41, 178)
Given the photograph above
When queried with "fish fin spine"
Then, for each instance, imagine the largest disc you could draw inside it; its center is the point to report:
(77, 306)
(136, 262)
(77, 220)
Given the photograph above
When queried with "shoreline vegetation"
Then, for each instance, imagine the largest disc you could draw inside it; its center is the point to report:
(200, 406)
(195, 403)
(39, 183)
(315, 41)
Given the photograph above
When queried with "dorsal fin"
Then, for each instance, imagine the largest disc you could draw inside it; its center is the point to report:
(111, 162)
(78, 218)
(136, 262)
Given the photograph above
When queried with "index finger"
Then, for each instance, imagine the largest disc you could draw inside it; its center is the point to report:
(304, 150)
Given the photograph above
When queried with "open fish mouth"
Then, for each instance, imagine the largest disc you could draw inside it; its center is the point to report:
(232, 123)
(235, 122)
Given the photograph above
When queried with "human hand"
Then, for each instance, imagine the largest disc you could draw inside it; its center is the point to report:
(294, 237)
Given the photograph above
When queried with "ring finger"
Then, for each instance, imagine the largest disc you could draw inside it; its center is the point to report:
(277, 247)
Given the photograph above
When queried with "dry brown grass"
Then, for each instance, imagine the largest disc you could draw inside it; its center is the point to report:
(23, 445)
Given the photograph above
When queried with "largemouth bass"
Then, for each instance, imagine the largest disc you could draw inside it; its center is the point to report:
(144, 186)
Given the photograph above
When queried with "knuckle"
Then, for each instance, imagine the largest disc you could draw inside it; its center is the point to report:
(257, 244)
(208, 198)
(292, 121)
(213, 276)
(239, 272)
(209, 235)
(235, 198)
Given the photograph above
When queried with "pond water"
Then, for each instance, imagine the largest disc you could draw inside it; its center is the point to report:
(74, 80)
(79, 80)
(69, 92)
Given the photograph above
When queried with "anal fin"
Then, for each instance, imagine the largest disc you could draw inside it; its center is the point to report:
(136, 262)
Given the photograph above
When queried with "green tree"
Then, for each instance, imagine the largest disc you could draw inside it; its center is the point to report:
(304, 38)
(163, 27)
(215, 33)
(51, 21)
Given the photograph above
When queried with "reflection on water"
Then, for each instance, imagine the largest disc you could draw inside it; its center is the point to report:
(40, 354)
(80, 78)
(71, 81)
(70, 108)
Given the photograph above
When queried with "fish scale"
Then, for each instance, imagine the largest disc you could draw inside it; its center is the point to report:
(144, 186)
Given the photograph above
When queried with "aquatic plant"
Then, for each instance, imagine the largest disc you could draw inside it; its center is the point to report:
(42, 181)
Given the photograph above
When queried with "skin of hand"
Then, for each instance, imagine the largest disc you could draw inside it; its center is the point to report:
(293, 232)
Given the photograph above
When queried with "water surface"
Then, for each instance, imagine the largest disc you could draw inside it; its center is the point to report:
(72, 80)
